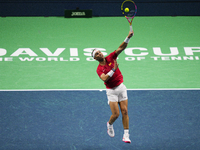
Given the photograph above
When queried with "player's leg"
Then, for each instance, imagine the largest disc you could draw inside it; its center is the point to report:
(124, 111)
(115, 114)
(112, 96)
(125, 120)
(123, 102)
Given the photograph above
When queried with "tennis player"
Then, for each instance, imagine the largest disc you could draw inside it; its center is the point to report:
(116, 91)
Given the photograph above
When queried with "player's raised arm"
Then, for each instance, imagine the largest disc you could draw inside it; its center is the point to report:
(125, 43)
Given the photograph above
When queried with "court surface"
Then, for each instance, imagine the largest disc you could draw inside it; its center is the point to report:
(73, 120)
(54, 52)
(52, 98)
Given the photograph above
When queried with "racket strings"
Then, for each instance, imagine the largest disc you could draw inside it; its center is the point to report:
(132, 9)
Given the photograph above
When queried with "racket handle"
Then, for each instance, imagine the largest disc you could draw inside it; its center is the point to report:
(131, 28)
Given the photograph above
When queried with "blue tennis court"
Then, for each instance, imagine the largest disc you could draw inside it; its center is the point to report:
(159, 119)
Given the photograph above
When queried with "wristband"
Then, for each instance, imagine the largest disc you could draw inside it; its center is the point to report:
(127, 40)
(110, 73)
(113, 69)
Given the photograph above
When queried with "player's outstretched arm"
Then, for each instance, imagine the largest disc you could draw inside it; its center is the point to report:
(125, 43)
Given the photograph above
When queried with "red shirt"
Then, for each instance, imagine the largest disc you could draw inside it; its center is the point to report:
(117, 77)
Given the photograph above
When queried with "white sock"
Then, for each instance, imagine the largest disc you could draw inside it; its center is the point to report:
(126, 131)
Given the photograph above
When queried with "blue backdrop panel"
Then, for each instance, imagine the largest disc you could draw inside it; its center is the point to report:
(99, 7)
(77, 120)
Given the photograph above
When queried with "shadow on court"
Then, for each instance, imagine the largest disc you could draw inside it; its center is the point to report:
(77, 120)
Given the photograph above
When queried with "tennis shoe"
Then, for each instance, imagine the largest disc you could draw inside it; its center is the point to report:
(126, 138)
(110, 130)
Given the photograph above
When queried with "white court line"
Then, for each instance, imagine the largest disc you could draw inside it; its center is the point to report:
(98, 89)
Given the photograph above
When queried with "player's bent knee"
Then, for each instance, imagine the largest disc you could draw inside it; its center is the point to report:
(124, 112)
(116, 115)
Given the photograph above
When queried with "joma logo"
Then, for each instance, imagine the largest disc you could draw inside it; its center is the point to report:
(78, 14)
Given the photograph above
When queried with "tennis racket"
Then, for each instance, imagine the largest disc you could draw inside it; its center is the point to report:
(129, 10)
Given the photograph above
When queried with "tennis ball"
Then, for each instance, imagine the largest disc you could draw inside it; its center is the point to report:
(126, 9)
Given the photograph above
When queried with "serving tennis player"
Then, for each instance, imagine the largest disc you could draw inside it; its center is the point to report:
(116, 91)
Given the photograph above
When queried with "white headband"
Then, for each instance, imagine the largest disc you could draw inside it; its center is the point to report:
(94, 52)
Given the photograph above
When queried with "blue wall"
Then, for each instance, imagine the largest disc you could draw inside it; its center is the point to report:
(99, 7)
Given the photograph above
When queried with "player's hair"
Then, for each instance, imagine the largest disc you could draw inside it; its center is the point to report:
(92, 52)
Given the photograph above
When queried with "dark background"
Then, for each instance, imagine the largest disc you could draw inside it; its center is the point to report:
(99, 7)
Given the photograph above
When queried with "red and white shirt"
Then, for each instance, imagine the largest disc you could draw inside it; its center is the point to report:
(117, 77)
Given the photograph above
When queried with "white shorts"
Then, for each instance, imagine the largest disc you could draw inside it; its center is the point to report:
(117, 94)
